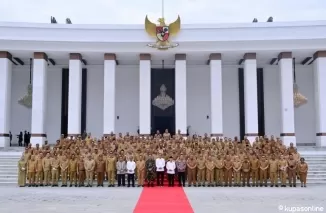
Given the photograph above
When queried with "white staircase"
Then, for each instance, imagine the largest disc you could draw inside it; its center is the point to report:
(315, 157)
(9, 165)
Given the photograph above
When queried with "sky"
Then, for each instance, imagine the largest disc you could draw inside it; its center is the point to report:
(134, 11)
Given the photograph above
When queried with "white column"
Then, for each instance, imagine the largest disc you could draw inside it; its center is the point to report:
(5, 97)
(39, 100)
(250, 96)
(181, 94)
(320, 98)
(287, 106)
(145, 94)
(216, 95)
(74, 94)
(109, 94)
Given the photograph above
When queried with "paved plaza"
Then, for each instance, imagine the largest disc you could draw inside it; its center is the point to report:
(123, 200)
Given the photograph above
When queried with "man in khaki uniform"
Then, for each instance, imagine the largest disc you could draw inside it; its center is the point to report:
(73, 170)
(140, 166)
(110, 169)
(39, 170)
(31, 168)
(263, 170)
(100, 170)
(254, 166)
(201, 171)
(192, 165)
(273, 168)
(81, 172)
(89, 168)
(210, 171)
(228, 171)
(292, 165)
(47, 169)
(55, 165)
(236, 165)
(219, 164)
(64, 165)
(282, 166)
(245, 171)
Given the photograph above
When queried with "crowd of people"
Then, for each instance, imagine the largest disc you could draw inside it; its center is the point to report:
(146, 160)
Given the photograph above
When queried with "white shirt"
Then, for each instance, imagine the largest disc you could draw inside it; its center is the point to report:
(160, 164)
(131, 166)
(170, 167)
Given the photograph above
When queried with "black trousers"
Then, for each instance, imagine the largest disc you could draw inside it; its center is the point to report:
(121, 179)
(160, 178)
(171, 179)
(131, 177)
(182, 178)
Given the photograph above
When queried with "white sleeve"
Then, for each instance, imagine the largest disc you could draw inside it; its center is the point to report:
(156, 163)
(128, 166)
(134, 165)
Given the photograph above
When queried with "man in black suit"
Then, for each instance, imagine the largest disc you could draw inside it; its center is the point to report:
(20, 139)
(25, 138)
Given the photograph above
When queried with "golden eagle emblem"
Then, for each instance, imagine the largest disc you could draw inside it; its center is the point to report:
(162, 33)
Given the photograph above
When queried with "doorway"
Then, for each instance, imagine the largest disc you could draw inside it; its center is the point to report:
(163, 117)
(162, 123)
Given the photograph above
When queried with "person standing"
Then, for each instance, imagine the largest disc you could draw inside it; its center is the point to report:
(282, 167)
(22, 165)
(192, 165)
(170, 169)
(303, 170)
(89, 167)
(181, 165)
(31, 171)
(292, 166)
(39, 170)
(20, 139)
(100, 169)
(273, 169)
(81, 172)
(210, 166)
(47, 169)
(110, 169)
(131, 166)
(160, 164)
(121, 171)
(25, 138)
(150, 170)
(264, 164)
(141, 171)
(10, 137)
(245, 172)
(73, 170)
(64, 165)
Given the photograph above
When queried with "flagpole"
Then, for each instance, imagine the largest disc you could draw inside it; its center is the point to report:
(162, 8)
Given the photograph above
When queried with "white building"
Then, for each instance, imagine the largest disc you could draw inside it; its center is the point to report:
(210, 91)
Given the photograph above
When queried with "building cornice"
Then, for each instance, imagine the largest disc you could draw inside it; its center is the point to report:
(248, 37)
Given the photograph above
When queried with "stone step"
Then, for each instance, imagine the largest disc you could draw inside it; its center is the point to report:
(314, 157)
(14, 183)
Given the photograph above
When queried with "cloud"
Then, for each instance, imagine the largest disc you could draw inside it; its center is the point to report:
(133, 12)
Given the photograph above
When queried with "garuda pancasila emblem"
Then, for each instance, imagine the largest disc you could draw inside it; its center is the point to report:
(162, 33)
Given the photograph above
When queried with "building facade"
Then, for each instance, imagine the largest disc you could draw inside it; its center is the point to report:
(225, 80)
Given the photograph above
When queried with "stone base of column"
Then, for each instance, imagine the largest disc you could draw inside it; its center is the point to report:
(216, 136)
(251, 137)
(38, 139)
(4, 140)
(321, 141)
(288, 138)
